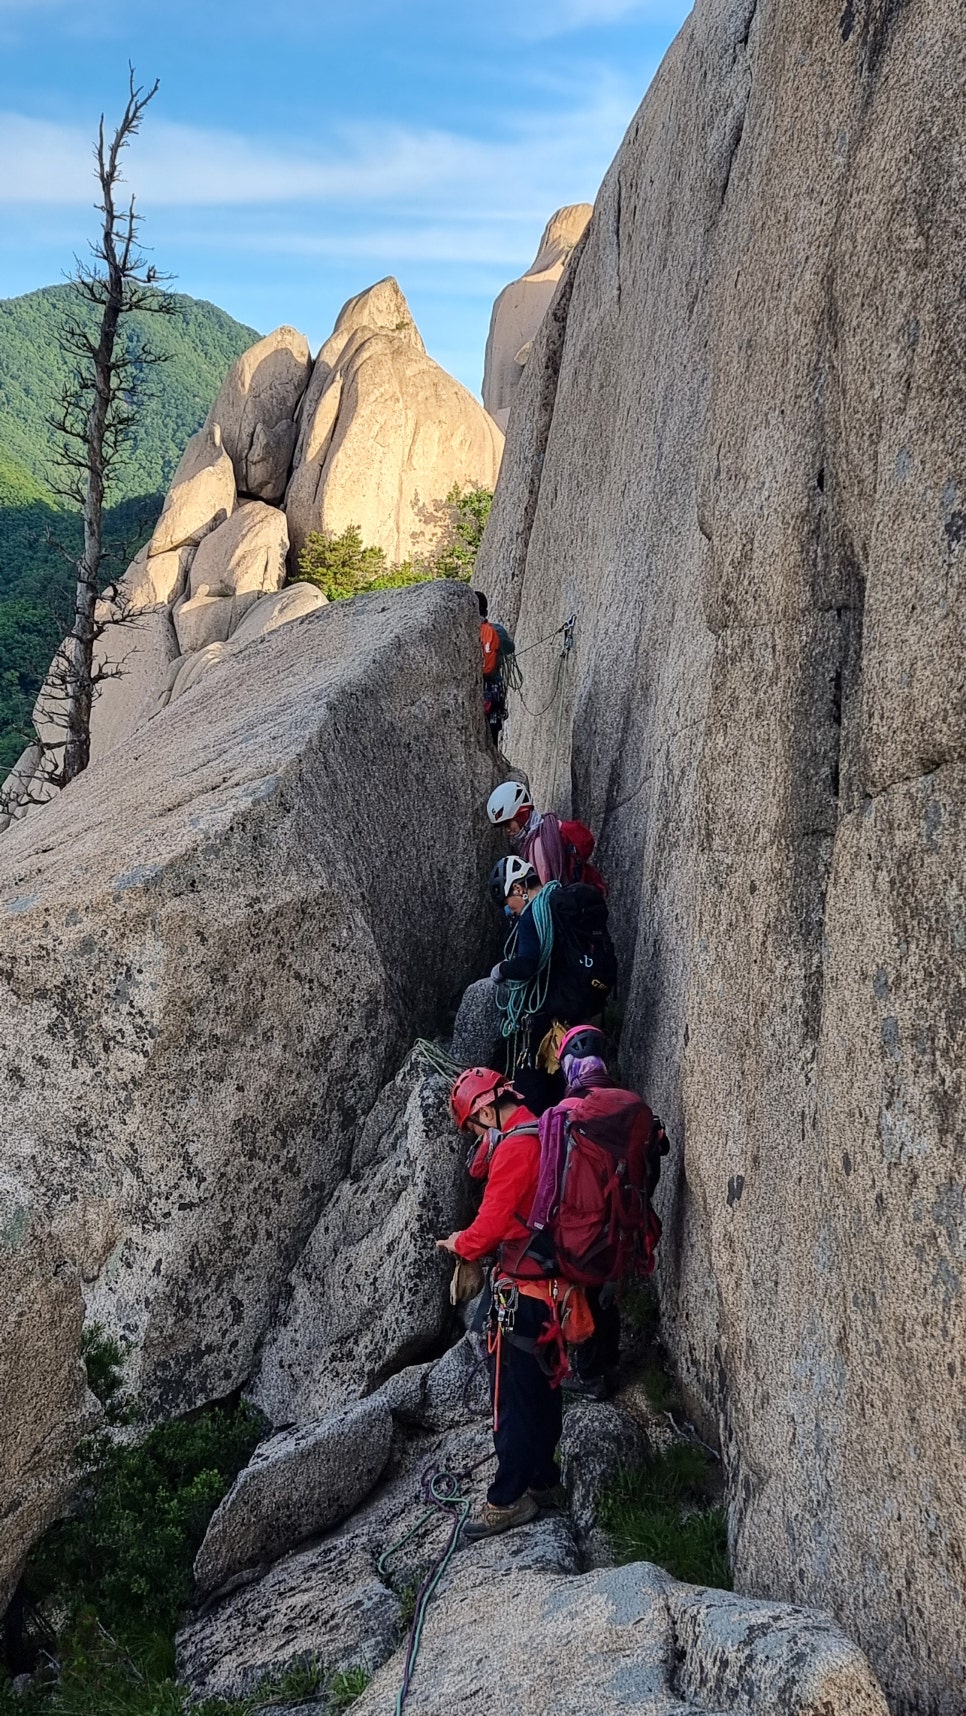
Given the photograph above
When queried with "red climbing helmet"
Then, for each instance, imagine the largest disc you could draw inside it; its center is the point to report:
(473, 1090)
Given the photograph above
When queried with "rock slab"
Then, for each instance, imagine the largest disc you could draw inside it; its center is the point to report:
(386, 434)
(296, 1485)
(255, 410)
(370, 1291)
(628, 1638)
(208, 970)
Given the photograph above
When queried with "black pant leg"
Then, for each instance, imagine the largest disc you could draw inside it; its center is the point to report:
(607, 1330)
(528, 1428)
(548, 1416)
(594, 1358)
(539, 1089)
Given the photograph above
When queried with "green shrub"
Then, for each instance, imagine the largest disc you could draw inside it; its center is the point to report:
(104, 1362)
(402, 576)
(667, 1513)
(340, 566)
(105, 1588)
(99, 1678)
(125, 1554)
(343, 566)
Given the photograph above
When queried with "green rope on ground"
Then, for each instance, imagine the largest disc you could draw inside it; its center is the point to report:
(382, 1565)
(444, 1490)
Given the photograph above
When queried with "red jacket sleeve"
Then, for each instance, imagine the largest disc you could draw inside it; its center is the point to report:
(510, 1189)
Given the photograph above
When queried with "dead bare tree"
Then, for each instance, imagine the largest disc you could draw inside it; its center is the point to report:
(97, 412)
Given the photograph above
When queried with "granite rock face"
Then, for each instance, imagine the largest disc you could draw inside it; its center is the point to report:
(386, 434)
(45, 1406)
(136, 656)
(208, 972)
(246, 553)
(737, 454)
(370, 1292)
(628, 1638)
(259, 616)
(202, 494)
(296, 1485)
(477, 1031)
(521, 307)
(256, 408)
(325, 1604)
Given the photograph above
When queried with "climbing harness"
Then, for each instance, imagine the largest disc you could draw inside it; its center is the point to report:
(569, 1323)
(504, 1298)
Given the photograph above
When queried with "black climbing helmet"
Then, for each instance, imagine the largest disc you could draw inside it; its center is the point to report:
(506, 873)
(583, 1040)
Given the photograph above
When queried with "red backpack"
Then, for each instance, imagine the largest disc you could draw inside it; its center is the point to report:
(606, 1167)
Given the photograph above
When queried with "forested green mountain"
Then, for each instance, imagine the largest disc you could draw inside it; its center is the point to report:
(199, 342)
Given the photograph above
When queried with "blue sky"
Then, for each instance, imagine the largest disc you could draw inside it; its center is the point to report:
(296, 153)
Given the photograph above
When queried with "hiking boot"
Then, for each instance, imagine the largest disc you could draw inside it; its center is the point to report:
(494, 1519)
(554, 1499)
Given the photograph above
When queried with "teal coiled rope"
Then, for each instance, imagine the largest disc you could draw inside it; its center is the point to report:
(528, 996)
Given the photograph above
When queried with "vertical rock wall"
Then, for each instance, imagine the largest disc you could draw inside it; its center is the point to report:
(742, 461)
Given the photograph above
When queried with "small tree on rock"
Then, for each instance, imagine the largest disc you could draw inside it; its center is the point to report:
(97, 412)
(468, 511)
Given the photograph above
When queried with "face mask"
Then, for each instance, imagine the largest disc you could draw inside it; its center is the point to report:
(508, 911)
(478, 1161)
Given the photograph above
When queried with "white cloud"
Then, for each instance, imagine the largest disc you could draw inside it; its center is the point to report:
(538, 161)
(542, 19)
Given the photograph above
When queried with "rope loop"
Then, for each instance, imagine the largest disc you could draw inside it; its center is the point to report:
(527, 996)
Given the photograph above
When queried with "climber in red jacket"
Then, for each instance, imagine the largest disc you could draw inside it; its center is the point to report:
(525, 1327)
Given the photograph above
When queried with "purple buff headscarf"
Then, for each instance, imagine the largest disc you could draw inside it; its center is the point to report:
(586, 1074)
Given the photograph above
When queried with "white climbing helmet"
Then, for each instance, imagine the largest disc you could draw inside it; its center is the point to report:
(505, 801)
(505, 875)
